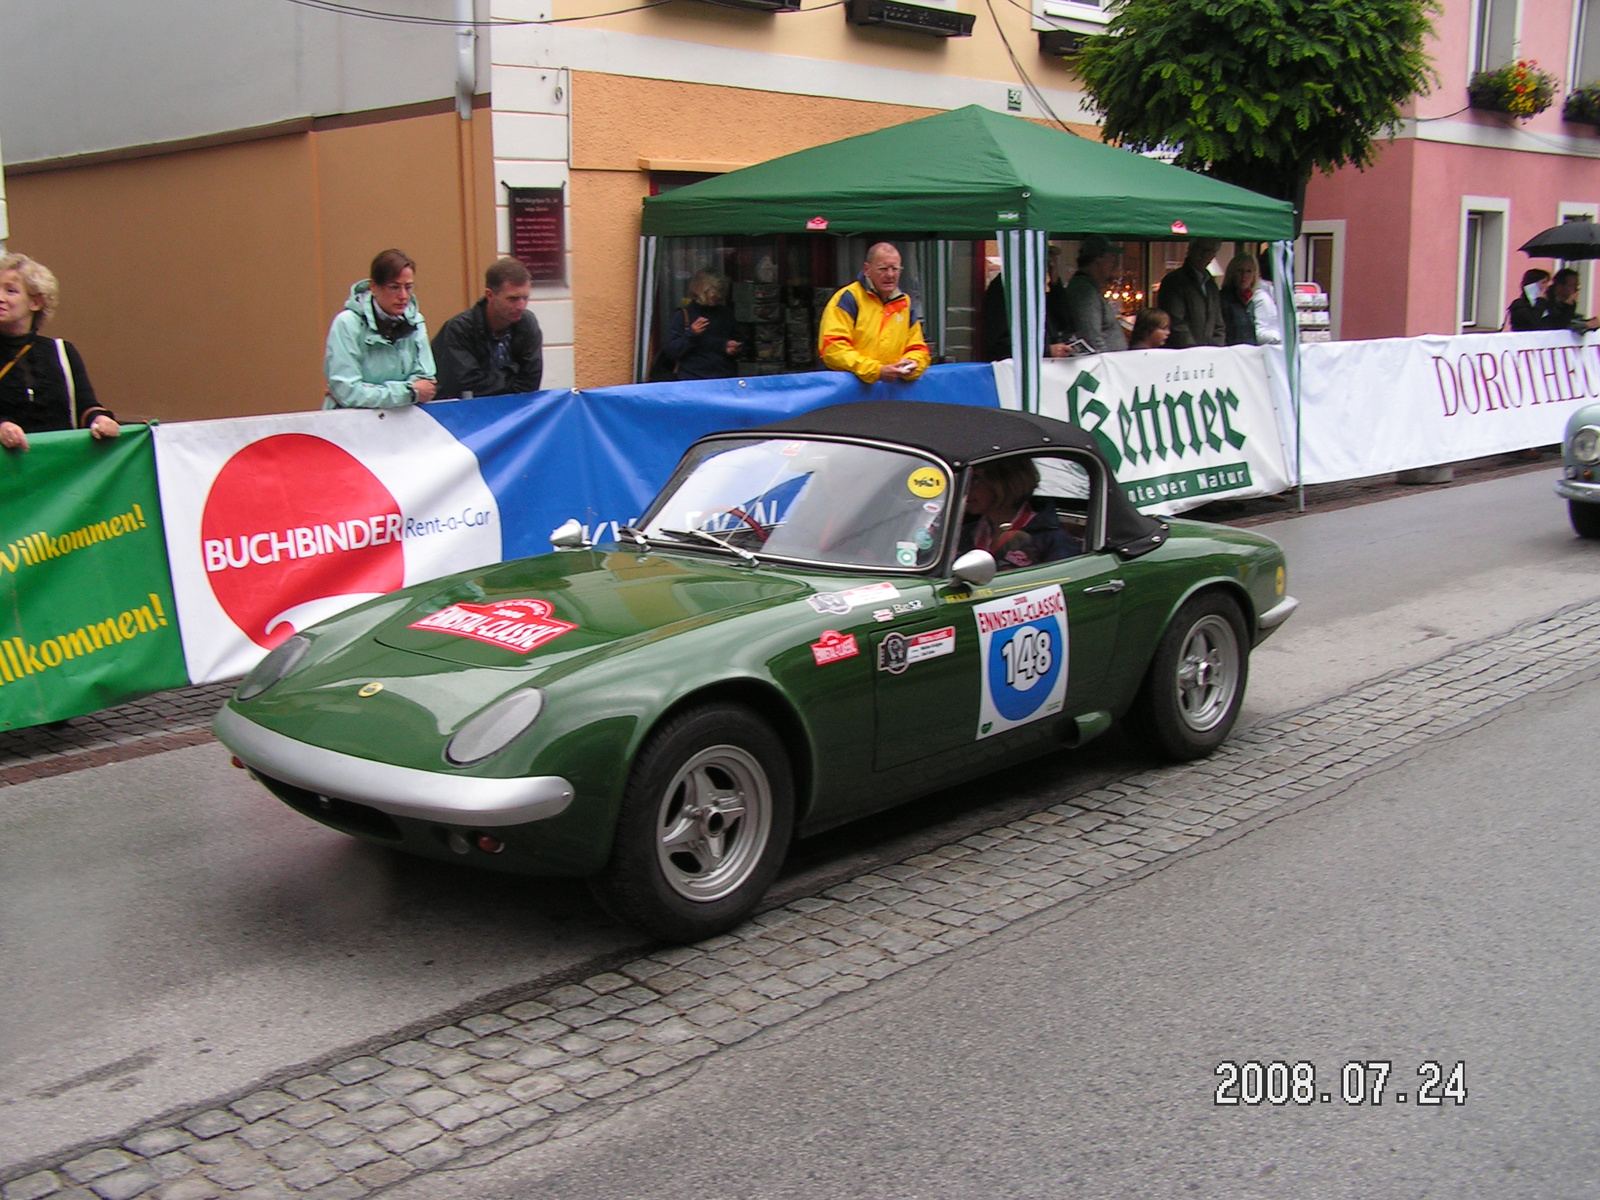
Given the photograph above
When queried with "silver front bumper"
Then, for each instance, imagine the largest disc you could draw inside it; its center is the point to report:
(399, 791)
(1584, 493)
(1275, 616)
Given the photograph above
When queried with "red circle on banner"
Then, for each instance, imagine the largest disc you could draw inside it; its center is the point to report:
(292, 524)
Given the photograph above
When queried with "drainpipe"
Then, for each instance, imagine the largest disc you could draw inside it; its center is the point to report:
(466, 59)
(4, 230)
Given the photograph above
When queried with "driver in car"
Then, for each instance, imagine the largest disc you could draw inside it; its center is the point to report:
(1004, 518)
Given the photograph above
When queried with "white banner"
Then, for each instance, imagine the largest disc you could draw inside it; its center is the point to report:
(274, 523)
(1368, 408)
(1179, 427)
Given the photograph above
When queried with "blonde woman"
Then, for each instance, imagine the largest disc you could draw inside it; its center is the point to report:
(1238, 286)
(700, 338)
(43, 385)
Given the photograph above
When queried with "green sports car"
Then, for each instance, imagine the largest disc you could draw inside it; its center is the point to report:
(813, 621)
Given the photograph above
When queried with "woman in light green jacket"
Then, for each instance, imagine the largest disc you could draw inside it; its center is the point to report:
(378, 354)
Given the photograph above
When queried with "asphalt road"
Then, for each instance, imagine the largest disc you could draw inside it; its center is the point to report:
(1439, 911)
(171, 933)
(1389, 585)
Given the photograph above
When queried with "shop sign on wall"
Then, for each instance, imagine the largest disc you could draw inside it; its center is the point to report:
(538, 233)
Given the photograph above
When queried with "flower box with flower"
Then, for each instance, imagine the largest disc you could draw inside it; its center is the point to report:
(1520, 89)
(1583, 105)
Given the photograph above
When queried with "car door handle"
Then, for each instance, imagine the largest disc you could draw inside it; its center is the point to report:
(1111, 585)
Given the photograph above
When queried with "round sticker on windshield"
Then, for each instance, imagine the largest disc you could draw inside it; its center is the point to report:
(926, 482)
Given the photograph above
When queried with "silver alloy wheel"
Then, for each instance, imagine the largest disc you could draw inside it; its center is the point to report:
(713, 823)
(1208, 673)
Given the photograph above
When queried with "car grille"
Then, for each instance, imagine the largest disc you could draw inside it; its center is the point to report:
(343, 815)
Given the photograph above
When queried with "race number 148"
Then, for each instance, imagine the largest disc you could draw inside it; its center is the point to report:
(1028, 657)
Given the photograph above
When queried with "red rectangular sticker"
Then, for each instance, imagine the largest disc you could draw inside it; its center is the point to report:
(520, 625)
(832, 646)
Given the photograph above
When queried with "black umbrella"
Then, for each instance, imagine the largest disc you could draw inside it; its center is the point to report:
(1575, 239)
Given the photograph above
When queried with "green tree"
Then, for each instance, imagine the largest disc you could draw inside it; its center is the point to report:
(1259, 92)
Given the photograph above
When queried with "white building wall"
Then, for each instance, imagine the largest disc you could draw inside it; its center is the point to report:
(85, 76)
(533, 148)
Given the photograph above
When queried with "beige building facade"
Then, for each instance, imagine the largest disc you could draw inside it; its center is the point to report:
(223, 174)
(614, 107)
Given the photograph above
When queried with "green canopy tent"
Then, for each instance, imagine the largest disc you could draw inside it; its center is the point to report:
(965, 174)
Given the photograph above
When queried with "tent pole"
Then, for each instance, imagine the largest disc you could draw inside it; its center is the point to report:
(644, 308)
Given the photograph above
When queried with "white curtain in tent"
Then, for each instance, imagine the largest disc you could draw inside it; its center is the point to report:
(1023, 263)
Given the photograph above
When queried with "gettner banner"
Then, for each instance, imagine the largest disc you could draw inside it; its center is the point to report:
(1180, 428)
(1368, 408)
(275, 523)
(86, 607)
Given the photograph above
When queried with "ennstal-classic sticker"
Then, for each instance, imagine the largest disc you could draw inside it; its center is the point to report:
(1022, 658)
(897, 652)
(832, 646)
(521, 625)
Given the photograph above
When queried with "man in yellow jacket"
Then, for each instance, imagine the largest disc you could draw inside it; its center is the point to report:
(869, 329)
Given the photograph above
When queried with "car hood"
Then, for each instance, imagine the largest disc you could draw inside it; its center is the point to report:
(548, 609)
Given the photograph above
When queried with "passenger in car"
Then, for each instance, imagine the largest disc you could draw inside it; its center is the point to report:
(1005, 518)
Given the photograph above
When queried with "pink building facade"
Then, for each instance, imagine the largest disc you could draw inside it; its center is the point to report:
(1425, 240)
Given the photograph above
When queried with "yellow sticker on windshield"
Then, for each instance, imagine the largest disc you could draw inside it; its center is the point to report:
(926, 482)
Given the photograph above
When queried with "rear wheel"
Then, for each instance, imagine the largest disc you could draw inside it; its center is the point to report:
(1585, 518)
(1195, 686)
(704, 825)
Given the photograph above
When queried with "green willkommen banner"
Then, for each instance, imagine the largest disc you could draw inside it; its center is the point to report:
(86, 613)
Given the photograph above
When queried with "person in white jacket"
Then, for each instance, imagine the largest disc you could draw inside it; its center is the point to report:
(1264, 310)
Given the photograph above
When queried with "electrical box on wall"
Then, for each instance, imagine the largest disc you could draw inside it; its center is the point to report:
(759, 5)
(935, 20)
(1060, 43)
(1063, 25)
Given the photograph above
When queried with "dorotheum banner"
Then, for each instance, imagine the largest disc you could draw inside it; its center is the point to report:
(1179, 427)
(87, 617)
(1369, 408)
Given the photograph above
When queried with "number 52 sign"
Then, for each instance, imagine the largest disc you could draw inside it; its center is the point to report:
(1022, 655)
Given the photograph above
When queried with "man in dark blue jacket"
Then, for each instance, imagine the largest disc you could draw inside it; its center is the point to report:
(495, 348)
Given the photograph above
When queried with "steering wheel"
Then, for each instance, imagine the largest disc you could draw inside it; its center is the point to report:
(761, 532)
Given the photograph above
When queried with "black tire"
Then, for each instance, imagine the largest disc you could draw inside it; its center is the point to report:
(1585, 518)
(1194, 688)
(686, 875)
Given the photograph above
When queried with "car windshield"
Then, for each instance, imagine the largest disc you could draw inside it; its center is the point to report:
(812, 500)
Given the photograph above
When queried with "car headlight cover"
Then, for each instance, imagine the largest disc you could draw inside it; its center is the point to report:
(493, 729)
(275, 666)
(1586, 444)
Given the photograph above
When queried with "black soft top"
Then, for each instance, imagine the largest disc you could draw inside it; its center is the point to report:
(962, 434)
(958, 433)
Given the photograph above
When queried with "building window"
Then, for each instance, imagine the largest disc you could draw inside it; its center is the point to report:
(1483, 263)
(1494, 40)
(1471, 269)
(1586, 48)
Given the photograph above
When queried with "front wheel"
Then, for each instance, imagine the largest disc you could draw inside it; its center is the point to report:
(1195, 686)
(1585, 518)
(704, 826)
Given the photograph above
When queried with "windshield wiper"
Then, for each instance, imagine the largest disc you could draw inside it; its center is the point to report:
(714, 540)
(634, 536)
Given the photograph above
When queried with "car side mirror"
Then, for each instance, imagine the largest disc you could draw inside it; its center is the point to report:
(975, 567)
(569, 536)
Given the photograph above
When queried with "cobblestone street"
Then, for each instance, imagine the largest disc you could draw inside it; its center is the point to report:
(553, 1062)
(164, 721)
